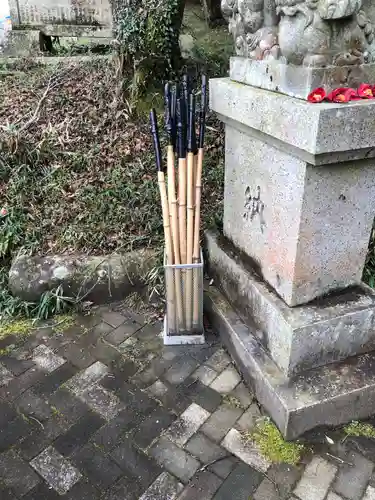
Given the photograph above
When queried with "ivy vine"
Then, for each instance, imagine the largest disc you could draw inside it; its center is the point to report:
(147, 34)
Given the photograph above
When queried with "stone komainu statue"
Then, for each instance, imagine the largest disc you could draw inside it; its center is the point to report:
(301, 32)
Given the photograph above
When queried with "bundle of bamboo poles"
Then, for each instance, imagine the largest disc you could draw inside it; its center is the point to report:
(181, 201)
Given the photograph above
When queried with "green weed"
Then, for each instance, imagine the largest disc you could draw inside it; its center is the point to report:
(360, 429)
(272, 444)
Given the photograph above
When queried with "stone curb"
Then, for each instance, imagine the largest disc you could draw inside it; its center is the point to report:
(97, 279)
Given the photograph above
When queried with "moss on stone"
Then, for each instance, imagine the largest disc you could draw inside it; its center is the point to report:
(19, 328)
(232, 401)
(63, 322)
(56, 412)
(360, 429)
(273, 446)
(22, 328)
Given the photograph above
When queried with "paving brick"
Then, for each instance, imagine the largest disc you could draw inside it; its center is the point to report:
(5, 376)
(363, 445)
(240, 484)
(99, 330)
(369, 494)
(8, 340)
(226, 381)
(65, 404)
(243, 395)
(45, 359)
(13, 389)
(333, 496)
(267, 491)
(129, 314)
(175, 399)
(77, 355)
(113, 318)
(135, 463)
(52, 381)
(150, 330)
(220, 422)
(110, 434)
(89, 319)
(102, 401)
(42, 437)
(224, 467)
(98, 467)
(245, 450)
(32, 405)
(15, 430)
(204, 449)
(180, 370)
(56, 470)
(136, 399)
(6, 493)
(203, 486)
(157, 389)
(104, 352)
(87, 378)
(120, 372)
(7, 413)
(121, 333)
(154, 370)
(249, 418)
(219, 360)
(316, 480)
(125, 489)
(204, 352)
(175, 460)
(352, 479)
(15, 365)
(201, 394)
(141, 351)
(82, 490)
(165, 487)
(187, 425)
(16, 473)
(78, 434)
(153, 426)
(285, 476)
(42, 492)
(205, 374)
(174, 352)
(181, 351)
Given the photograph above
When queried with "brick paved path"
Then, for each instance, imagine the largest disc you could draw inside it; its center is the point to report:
(103, 410)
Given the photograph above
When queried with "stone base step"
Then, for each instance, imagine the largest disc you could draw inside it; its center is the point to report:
(330, 395)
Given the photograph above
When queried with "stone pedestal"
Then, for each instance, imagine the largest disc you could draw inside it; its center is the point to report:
(299, 187)
(298, 211)
(297, 81)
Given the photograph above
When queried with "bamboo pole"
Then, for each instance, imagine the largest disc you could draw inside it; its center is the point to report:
(173, 211)
(190, 213)
(171, 177)
(166, 220)
(182, 169)
(198, 194)
(175, 239)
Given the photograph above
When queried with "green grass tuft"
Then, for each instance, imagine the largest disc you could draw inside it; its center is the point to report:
(273, 446)
(232, 401)
(20, 328)
(360, 429)
(63, 322)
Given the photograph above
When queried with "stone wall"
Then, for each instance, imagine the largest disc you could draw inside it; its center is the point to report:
(62, 16)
